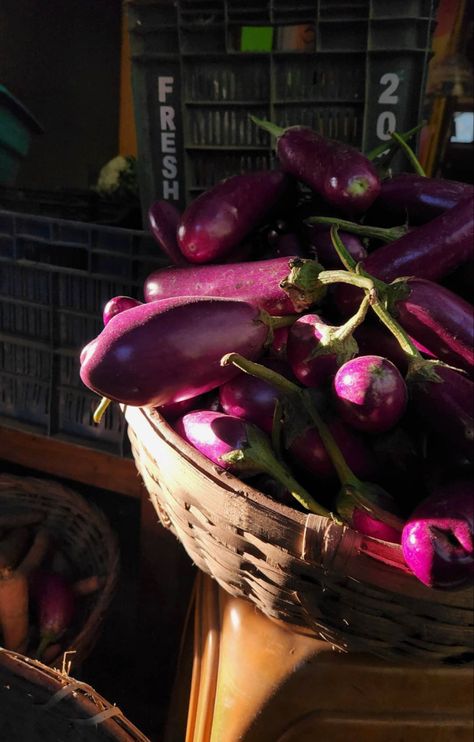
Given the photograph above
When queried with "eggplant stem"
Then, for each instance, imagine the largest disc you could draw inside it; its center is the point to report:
(269, 126)
(389, 147)
(409, 153)
(100, 409)
(284, 321)
(385, 234)
(348, 327)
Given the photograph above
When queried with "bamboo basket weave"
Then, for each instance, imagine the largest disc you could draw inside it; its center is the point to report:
(86, 539)
(40, 704)
(351, 590)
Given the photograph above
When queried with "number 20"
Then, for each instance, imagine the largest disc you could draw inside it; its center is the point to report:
(386, 121)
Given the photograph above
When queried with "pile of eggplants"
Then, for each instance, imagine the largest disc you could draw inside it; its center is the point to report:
(313, 334)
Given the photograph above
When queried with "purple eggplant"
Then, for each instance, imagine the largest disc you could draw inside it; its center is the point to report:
(169, 350)
(370, 393)
(241, 448)
(445, 404)
(218, 220)
(321, 246)
(438, 538)
(441, 323)
(419, 199)
(116, 305)
(287, 244)
(315, 349)
(342, 175)
(164, 218)
(257, 282)
(373, 339)
(278, 346)
(253, 399)
(54, 604)
(307, 450)
(363, 522)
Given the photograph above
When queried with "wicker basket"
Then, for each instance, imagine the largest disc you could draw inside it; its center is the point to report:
(39, 704)
(85, 537)
(353, 591)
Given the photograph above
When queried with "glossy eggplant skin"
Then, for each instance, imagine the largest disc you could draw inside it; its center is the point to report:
(438, 319)
(213, 434)
(170, 350)
(412, 197)
(163, 219)
(218, 220)
(430, 251)
(446, 406)
(116, 305)
(321, 246)
(257, 282)
(341, 174)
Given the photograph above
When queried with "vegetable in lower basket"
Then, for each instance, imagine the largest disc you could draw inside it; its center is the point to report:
(438, 537)
(54, 605)
(341, 174)
(218, 220)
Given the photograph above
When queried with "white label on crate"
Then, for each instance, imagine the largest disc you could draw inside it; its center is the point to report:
(386, 120)
(169, 168)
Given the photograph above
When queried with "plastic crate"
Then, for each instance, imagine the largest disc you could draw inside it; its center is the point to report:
(55, 277)
(352, 70)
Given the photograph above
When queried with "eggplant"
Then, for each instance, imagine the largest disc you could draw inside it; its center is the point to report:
(252, 399)
(342, 175)
(438, 537)
(373, 338)
(164, 219)
(169, 350)
(116, 305)
(445, 405)
(55, 606)
(441, 323)
(258, 282)
(412, 197)
(315, 349)
(370, 393)
(241, 448)
(431, 250)
(321, 246)
(219, 219)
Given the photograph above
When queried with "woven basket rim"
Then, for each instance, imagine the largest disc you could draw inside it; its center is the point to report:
(83, 697)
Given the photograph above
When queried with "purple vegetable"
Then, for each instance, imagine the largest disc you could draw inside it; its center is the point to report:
(257, 282)
(339, 173)
(370, 394)
(307, 450)
(315, 350)
(419, 199)
(241, 448)
(173, 410)
(438, 538)
(164, 218)
(363, 522)
(116, 305)
(54, 603)
(170, 350)
(321, 245)
(441, 322)
(375, 339)
(287, 245)
(218, 220)
(446, 405)
(253, 399)
(279, 343)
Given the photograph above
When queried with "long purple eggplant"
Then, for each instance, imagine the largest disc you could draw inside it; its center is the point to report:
(438, 319)
(341, 174)
(258, 282)
(170, 350)
(218, 220)
(163, 219)
(446, 406)
(419, 199)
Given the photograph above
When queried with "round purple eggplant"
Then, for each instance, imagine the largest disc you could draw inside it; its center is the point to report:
(219, 219)
(438, 538)
(370, 394)
(164, 218)
(252, 399)
(315, 351)
(116, 305)
(170, 350)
